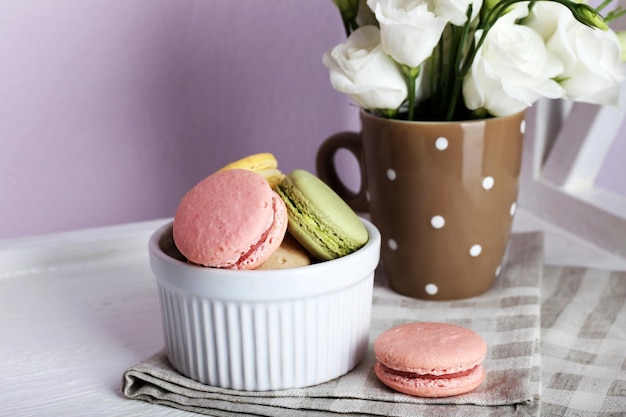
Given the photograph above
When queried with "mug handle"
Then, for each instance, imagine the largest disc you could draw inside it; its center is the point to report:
(327, 171)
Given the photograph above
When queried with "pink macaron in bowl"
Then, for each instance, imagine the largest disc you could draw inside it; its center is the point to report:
(259, 330)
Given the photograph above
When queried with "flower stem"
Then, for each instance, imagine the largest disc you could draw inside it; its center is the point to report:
(349, 10)
(347, 28)
(411, 76)
(460, 42)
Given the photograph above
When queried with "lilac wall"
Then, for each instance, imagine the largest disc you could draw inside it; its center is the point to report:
(111, 109)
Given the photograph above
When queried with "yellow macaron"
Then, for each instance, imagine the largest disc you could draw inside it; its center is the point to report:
(264, 164)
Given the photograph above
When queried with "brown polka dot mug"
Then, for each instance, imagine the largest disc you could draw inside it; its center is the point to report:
(442, 194)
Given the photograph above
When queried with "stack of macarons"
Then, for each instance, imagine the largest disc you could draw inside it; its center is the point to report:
(249, 215)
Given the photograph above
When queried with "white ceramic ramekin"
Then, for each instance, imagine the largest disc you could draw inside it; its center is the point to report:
(265, 330)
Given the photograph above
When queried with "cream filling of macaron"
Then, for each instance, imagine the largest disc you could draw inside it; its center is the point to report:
(438, 375)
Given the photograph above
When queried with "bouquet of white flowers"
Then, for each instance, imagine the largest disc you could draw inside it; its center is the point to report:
(468, 59)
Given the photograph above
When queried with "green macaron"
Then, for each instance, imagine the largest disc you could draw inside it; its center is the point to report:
(318, 218)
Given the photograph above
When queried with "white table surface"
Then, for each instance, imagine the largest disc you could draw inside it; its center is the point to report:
(78, 308)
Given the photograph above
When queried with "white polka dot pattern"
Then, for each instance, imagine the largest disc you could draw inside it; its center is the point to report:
(437, 222)
(488, 183)
(443, 222)
(441, 143)
(431, 289)
(475, 250)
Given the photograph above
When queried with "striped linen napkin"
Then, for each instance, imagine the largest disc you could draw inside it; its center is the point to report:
(583, 342)
(507, 316)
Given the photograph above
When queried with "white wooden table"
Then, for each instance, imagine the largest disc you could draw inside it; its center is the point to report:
(78, 308)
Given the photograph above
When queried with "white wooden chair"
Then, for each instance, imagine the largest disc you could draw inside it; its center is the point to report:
(566, 146)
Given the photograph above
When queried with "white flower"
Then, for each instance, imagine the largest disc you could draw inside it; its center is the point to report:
(621, 37)
(591, 57)
(409, 30)
(455, 11)
(360, 68)
(512, 69)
